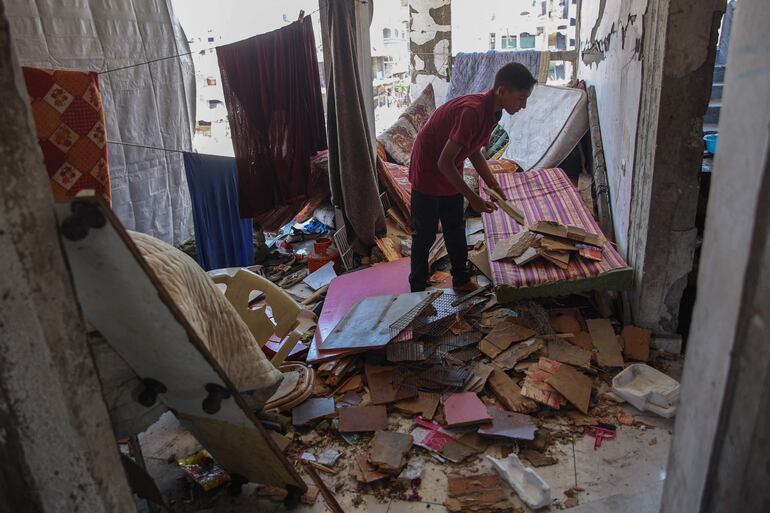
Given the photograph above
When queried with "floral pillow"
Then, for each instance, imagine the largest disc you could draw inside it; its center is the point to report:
(399, 138)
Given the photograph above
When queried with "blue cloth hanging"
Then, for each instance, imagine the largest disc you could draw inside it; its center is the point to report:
(222, 238)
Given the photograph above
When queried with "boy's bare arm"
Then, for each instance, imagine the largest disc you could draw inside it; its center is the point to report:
(446, 164)
(480, 163)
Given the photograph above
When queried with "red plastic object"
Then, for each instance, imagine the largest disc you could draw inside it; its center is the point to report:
(600, 434)
(323, 253)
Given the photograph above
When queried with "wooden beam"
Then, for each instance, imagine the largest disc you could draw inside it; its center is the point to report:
(601, 185)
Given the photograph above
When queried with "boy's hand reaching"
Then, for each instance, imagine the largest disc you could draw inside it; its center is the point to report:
(499, 190)
(481, 206)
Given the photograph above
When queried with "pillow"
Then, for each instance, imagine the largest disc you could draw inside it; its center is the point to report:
(399, 138)
(421, 109)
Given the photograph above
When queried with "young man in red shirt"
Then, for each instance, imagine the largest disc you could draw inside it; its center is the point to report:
(456, 131)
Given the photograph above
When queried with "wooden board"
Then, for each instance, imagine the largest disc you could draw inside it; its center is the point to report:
(606, 343)
(122, 298)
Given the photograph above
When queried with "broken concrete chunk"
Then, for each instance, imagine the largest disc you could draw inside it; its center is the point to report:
(389, 449)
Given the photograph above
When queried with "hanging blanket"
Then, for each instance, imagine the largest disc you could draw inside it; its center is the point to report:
(69, 119)
(475, 72)
(222, 238)
(273, 94)
(547, 194)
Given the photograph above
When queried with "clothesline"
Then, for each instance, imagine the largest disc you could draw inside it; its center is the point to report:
(192, 52)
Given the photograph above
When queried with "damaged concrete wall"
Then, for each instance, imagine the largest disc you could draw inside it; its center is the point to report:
(720, 454)
(652, 62)
(611, 59)
(56, 443)
(430, 46)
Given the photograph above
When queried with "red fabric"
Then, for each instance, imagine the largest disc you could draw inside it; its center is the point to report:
(69, 120)
(273, 94)
(467, 120)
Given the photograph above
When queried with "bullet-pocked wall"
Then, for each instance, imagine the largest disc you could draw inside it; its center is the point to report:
(430, 46)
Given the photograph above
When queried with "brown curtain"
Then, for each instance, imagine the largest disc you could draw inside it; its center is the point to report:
(273, 95)
(352, 169)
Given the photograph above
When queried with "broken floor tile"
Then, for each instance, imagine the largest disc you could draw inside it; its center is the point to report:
(482, 493)
(365, 472)
(424, 404)
(509, 425)
(573, 385)
(636, 343)
(389, 450)
(537, 459)
(363, 418)
(605, 341)
(509, 394)
(505, 333)
(464, 409)
(313, 409)
(381, 385)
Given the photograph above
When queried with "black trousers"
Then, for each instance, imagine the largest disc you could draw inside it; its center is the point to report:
(427, 210)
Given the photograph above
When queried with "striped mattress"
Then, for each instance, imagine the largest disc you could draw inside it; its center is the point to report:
(548, 194)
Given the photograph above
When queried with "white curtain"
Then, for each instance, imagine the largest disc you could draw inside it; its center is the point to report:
(150, 105)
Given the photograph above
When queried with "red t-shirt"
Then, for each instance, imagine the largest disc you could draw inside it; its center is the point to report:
(467, 120)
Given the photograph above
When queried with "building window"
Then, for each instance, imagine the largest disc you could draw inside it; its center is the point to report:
(211, 39)
(213, 104)
(543, 8)
(491, 40)
(508, 42)
(386, 33)
(572, 22)
(527, 40)
(572, 43)
(211, 81)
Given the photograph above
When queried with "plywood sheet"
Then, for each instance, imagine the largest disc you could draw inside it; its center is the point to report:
(606, 343)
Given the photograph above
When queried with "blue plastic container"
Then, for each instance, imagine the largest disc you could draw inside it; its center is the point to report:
(711, 142)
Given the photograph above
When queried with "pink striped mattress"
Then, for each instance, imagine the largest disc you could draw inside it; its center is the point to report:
(547, 194)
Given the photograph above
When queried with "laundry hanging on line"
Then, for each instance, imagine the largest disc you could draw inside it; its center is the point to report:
(273, 95)
(222, 238)
(69, 121)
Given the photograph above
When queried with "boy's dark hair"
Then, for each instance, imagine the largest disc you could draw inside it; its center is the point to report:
(514, 76)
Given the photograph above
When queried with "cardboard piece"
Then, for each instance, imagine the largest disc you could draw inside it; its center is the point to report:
(509, 425)
(315, 408)
(565, 352)
(605, 341)
(566, 323)
(510, 357)
(573, 385)
(389, 450)
(503, 335)
(464, 409)
(381, 387)
(636, 343)
(363, 418)
(509, 393)
(582, 339)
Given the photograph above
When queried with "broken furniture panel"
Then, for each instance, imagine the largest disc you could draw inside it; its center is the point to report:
(122, 297)
(606, 343)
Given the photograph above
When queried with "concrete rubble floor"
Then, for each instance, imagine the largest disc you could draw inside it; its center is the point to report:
(625, 474)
